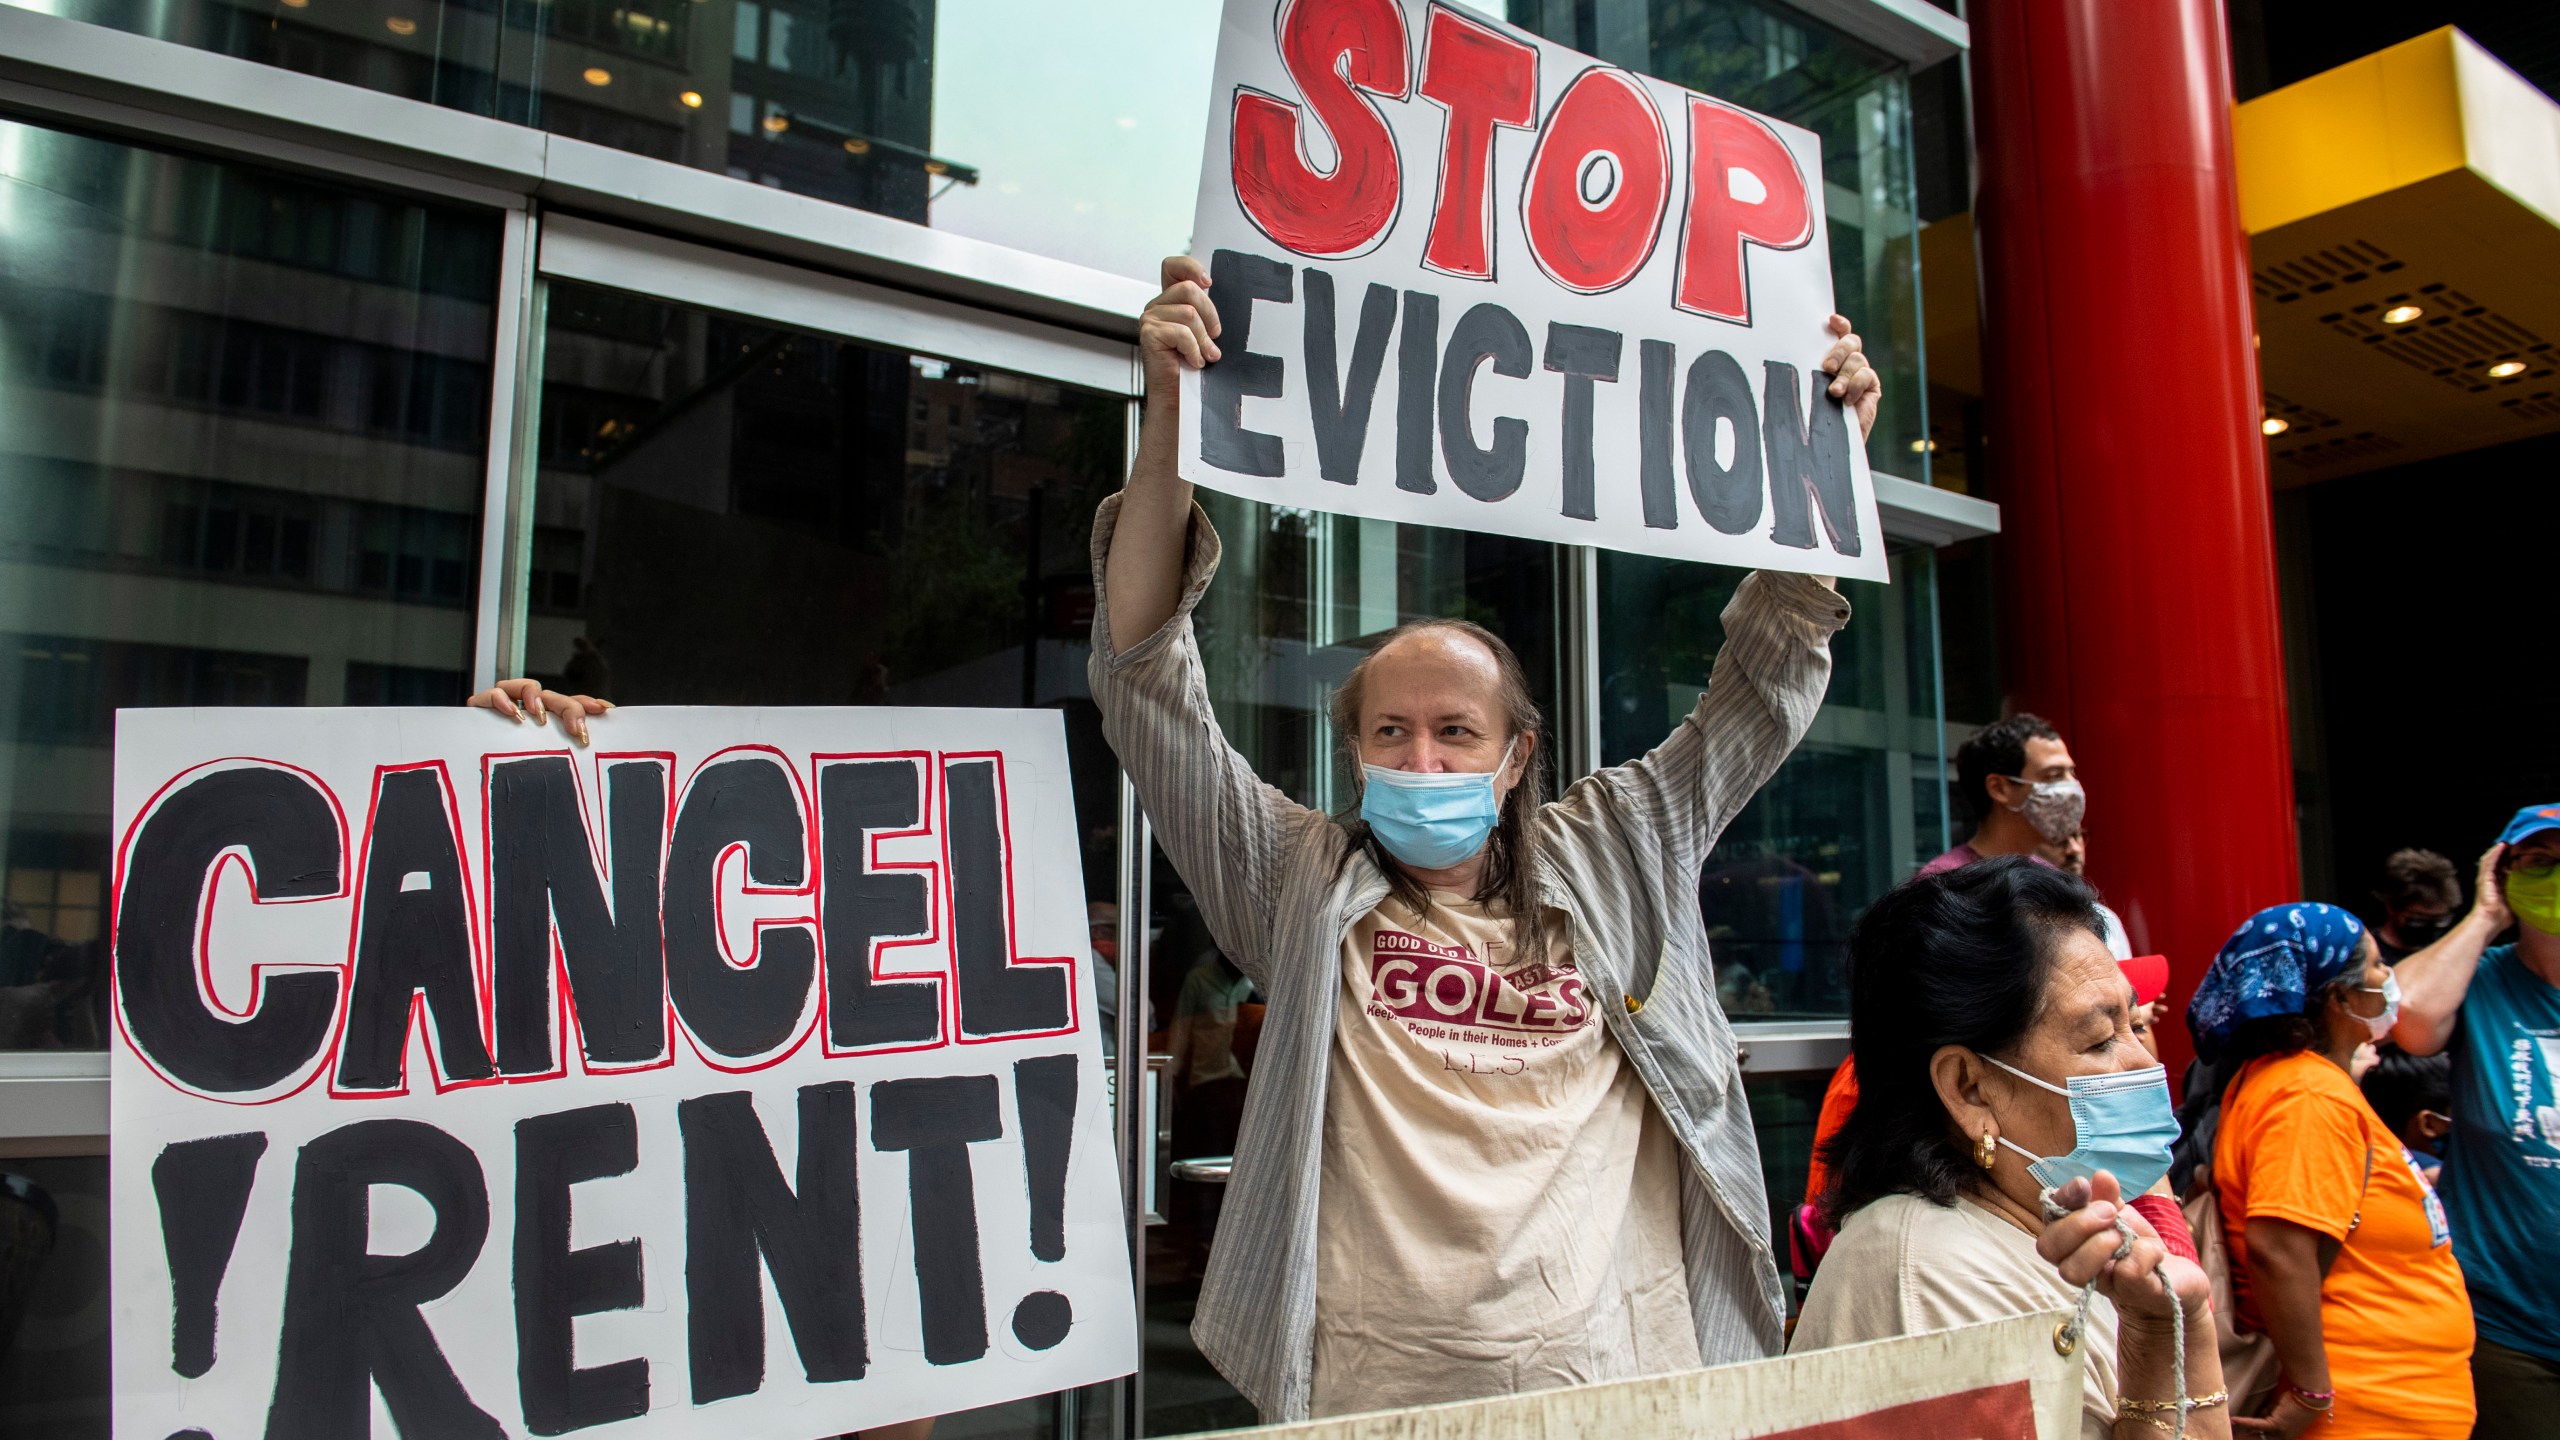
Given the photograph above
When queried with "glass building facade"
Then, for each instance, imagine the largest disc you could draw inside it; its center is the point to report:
(316, 390)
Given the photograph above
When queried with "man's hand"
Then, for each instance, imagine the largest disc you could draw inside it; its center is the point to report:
(2488, 898)
(520, 700)
(1179, 330)
(1854, 381)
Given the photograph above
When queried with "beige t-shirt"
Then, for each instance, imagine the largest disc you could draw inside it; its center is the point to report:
(1906, 1266)
(1500, 1202)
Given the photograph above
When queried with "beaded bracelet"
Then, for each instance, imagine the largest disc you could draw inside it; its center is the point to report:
(2165, 1407)
(2320, 1401)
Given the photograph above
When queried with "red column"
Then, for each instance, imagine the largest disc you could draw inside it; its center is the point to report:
(2137, 555)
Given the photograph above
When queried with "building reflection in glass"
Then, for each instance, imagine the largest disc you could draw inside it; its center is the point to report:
(242, 449)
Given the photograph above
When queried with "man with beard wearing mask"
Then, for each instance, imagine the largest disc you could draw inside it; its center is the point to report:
(2017, 782)
(2418, 895)
(1492, 1064)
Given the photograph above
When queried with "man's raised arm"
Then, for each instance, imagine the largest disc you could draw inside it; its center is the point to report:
(1767, 681)
(1154, 553)
(1145, 566)
(2434, 980)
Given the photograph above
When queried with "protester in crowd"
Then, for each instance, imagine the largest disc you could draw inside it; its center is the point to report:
(2413, 1095)
(2497, 1008)
(1809, 1234)
(1997, 1068)
(1495, 1217)
(2016, 782)
(2337, 1247)
(2418, 895)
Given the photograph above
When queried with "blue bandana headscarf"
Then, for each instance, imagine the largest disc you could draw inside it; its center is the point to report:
(2272, 965)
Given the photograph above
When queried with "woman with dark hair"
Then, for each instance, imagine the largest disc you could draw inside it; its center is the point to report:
(2005, 1108)
(2339, 1250)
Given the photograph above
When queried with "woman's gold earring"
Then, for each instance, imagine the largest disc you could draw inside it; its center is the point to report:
(1983, 1153)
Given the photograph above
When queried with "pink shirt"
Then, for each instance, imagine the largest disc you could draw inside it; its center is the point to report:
(1965, 854)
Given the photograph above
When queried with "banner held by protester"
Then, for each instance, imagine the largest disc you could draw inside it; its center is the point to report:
(498, 1084)
(1468, 277)
(2006, 1380)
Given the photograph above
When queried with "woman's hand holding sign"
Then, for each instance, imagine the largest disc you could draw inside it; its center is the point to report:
(520, 700)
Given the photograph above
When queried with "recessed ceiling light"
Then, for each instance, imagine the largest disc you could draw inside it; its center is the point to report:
(598, 76)
(857, 146)
(2505, 368)
(776, 124)
(691, 99)
(2275, 425)
(936, 167)
(2401, 314)
(401, 25)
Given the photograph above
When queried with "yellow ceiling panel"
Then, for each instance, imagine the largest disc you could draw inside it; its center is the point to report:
(2405, 257)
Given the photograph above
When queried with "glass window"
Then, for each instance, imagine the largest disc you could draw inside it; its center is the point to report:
(1850, 814)
(242, 458)
(728, 513)
(1073, 130)
(53, 1297)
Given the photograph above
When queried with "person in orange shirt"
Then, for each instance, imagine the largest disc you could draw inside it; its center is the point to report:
(2339, 1250)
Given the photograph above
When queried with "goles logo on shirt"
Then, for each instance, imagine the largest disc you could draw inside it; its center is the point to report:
(1418, 980)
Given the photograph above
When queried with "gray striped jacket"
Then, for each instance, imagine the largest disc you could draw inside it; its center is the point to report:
(1621, 854)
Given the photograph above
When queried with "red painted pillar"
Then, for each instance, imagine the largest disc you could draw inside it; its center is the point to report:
(2137, 554)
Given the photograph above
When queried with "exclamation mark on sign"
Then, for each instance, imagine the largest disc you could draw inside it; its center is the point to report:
(1044, 1095)
(203, 1189)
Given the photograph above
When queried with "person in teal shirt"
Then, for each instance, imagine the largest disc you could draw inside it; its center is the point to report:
(2497, 1007)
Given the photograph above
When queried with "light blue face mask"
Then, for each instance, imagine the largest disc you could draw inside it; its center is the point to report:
(1431, 821)
(2124, 1125)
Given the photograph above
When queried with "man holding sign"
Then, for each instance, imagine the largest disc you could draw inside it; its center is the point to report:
(1493, 1064)
(1457, 275)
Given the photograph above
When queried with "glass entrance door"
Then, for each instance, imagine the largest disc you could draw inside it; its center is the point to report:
(727, 510)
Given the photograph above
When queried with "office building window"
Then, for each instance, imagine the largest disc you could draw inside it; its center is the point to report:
(242, 455)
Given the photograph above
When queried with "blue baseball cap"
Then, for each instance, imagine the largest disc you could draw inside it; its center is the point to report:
(2531, 820)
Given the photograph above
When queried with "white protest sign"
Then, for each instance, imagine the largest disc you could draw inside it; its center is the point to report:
(2005, 1380)
(737, 1077)
(1471, 278)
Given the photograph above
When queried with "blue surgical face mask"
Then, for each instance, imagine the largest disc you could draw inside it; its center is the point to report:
(2124, 1125)
(1432, 821)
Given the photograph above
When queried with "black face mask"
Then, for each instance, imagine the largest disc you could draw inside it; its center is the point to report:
(2422, 930)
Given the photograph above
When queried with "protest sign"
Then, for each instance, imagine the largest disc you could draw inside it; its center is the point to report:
(1471, 278)
(739, 1076)
(2006, 1380)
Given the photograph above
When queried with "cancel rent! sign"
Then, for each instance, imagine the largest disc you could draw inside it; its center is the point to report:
(737, 1077)
(1470, 278)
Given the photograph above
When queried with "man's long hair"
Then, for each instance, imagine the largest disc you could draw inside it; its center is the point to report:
(1510, 880)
